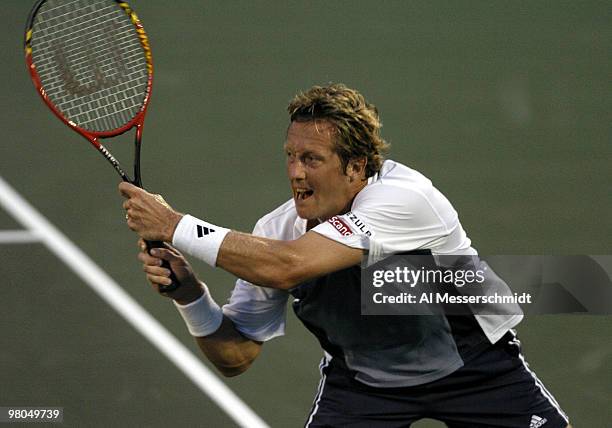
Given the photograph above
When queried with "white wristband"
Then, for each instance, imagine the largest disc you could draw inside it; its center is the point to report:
(199, 238)
(202, 316)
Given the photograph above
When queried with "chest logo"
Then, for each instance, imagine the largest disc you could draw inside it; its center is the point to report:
(359, 223)
(340, 226)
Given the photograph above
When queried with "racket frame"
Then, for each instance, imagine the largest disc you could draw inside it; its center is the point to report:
(94, 137)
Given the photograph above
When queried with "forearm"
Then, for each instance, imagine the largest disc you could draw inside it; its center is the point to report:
(215, 334)
(261, 261)
(228, 350)
(223, 345)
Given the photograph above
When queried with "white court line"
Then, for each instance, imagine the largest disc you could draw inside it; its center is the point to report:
(18, 237)
(128, 308)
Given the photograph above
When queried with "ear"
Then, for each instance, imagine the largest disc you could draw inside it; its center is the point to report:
(356, 168)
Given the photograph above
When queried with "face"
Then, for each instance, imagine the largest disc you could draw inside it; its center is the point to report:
(320, 187)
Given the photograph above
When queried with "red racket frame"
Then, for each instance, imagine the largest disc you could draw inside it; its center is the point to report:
(94, 137)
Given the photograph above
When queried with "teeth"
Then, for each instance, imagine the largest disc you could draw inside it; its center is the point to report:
(301, 194)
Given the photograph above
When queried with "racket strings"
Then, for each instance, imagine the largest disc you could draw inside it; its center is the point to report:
(90, 62)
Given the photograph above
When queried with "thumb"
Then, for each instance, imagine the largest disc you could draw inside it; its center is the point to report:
(164, 254)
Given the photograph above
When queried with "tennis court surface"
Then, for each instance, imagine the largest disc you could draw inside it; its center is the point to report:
(504, 106)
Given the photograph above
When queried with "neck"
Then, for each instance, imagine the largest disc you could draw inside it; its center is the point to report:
(358, 188)
(312, 223)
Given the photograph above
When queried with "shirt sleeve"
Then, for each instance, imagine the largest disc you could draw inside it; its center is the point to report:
(389, 219)
(258, 313)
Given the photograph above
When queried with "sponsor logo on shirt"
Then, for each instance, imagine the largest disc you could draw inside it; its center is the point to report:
(358, 223)
(340, 226)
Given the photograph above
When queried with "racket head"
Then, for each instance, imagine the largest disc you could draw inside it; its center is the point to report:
(91, 62)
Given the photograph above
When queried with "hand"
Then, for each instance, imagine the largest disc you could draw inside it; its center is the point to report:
(190, 288)
(147, 214)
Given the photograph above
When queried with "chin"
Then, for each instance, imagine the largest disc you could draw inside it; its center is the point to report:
(306, 214)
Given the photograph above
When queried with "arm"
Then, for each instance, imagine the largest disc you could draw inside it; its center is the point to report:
(226, 348)
(261, 261)
(283, 264)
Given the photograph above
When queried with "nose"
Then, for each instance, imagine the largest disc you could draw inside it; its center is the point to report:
(295, 170)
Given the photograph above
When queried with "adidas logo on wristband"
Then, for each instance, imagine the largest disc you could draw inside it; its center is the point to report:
(203, 231)
(199, 239)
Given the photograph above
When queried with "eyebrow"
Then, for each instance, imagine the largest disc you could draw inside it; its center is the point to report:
(306, 153)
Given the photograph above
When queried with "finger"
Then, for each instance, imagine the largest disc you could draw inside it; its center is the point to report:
(159, 198)
(176, 253)
(164, 253)
(127, 190)
(141, 245)
(148, 259)
(156, 270)
(173, 251)
(126, 205)
(159, 280)
(131, 224)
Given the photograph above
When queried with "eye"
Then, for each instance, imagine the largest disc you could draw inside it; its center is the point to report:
(311, 159)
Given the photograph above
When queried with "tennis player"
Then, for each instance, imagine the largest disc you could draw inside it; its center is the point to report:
(348, 203)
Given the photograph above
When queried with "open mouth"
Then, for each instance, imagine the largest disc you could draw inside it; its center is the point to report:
(302, 195)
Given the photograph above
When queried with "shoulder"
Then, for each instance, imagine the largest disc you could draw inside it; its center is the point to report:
(402, 194)
(396, 180)
(278, 223)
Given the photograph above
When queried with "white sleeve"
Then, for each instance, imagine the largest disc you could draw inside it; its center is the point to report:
(258, 313)
(390, 219)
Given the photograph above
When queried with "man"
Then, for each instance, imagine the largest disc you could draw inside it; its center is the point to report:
(347, 203)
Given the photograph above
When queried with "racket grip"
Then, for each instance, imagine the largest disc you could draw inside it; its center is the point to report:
(165, 264)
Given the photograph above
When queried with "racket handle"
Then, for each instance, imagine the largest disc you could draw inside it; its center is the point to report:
(165, 264)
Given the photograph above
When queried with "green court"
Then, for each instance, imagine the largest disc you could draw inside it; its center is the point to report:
(504, 105)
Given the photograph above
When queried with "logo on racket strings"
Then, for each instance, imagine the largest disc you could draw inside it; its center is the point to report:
(100, 80)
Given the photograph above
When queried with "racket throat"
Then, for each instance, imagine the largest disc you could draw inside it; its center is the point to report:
(111, 159)
(137, 140)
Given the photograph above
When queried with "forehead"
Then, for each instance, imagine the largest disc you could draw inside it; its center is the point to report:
(312, 135)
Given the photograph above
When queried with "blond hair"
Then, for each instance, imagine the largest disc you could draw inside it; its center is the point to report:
(356, 122)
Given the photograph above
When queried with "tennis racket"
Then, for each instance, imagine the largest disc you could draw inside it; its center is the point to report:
(91, 63)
